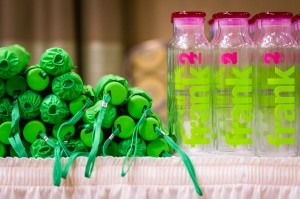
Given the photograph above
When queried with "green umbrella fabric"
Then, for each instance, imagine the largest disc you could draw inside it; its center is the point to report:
(67, 86)
(53, 109)
(56, 61)
(92, 112)
(2, 88)
(124, 146)
(29, 104)
(13, 60)
(40, 149)
(89, 91)
(6, 106)
(76, 146)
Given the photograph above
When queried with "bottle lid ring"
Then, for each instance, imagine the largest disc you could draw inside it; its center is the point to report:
(221, 15)
(270, 15)
(296, 18)
(187, 14)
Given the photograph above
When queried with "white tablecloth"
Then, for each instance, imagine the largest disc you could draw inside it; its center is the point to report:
(219, 177)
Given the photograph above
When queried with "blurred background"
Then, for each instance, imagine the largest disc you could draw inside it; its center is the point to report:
(124, 37)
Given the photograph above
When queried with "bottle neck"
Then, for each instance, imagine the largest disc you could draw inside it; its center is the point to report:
(257, 30)
(231, 26)
(216, 32)
(296, 31)
(296, 26)
(232, 32)
(188, 26)
(276, 26)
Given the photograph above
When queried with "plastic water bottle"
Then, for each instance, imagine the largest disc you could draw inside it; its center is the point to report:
(212, 30)
(296, 34)
(216, 30)
(233, 92)
(277, 103)
(296, 28)
(255, 32)
(251, 28)
(189, 83)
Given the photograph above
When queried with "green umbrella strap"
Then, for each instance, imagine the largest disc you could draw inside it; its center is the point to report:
(70, 161)
(14, 138)
(133, 146)
(47, 140)
(96, 136)
(186, 160)
(109, 139)
(57, 170)
(72, 121)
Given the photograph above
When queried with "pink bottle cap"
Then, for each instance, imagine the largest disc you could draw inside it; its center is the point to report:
(252, 19)
(221, 15)
(211, 21)
(296, 18)
(271, 15)
(187, 14)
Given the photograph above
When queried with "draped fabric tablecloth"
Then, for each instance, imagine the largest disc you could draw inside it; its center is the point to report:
(218, 177)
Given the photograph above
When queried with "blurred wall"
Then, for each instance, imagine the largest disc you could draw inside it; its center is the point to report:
(38, 25)
(151, 19)
(124, 37)
(99, 34)
(101, 39)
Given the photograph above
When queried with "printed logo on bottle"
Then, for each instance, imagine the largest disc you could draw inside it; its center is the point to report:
(190, 58)
(269, 57)
(192, 86)
(284, 95)
(229, 58)
(239, 80)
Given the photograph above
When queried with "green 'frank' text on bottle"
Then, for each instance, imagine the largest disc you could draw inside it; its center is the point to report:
(277, 101)
(189, 84)
(234, 62)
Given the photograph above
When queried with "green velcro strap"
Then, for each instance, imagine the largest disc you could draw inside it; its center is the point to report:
(131, 153)
(70, 161)
(186, 160)
(17, 145)
(72, 121)
(96, 137)
(109, 139)
(14, 138)
(50, 142)
(57, 168)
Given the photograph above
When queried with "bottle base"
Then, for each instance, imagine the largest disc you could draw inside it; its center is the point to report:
(276, 155)
(235, 153)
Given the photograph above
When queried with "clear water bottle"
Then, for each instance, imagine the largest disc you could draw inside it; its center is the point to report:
(258, 32)
(189, 83)
(215, 29)
(255, 28)
(296, 28)
(296, 35)
(251, 26)
(212, 30)
(233, 92)
(277, 103)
